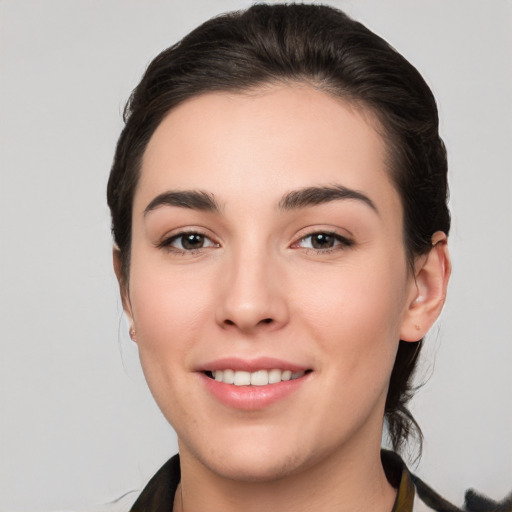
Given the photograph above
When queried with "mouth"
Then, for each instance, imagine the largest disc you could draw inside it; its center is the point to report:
(261, 377)
(253, 384)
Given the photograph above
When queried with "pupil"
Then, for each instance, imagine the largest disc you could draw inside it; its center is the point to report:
(322, 241)
(192, 241)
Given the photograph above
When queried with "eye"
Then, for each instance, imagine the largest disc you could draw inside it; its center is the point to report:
(187, 242)
(324, 241)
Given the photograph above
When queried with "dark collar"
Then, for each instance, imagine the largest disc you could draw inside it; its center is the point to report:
(409, 485)
(158, 495)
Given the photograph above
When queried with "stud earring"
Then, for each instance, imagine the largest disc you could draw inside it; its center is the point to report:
(132, 334)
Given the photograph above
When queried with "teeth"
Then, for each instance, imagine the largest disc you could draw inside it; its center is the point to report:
(274, 376)
(242, 379)
(258, 378)
(228, 376)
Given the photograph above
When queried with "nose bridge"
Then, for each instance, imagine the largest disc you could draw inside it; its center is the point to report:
(252, 296)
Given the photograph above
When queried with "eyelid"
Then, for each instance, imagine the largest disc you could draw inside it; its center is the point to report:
(166, 241)
(344, 240)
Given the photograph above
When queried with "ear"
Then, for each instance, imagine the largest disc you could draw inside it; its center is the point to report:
(123, 284)
(428, 290)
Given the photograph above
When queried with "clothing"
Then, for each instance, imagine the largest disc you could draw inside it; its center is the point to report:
(413, 494)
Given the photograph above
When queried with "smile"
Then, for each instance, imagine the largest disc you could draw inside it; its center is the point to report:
(256, 378)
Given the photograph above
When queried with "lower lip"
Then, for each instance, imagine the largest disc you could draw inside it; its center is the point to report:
(251, 398)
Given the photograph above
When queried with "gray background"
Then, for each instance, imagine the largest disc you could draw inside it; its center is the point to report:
(77, 425)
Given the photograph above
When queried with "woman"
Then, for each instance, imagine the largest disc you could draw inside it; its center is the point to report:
(278, 200)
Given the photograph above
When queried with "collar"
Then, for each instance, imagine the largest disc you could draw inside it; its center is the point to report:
(413, 494)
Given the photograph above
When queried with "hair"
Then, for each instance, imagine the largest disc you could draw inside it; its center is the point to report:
(323, 47)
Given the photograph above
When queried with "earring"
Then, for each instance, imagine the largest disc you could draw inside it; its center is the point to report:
(132, 334)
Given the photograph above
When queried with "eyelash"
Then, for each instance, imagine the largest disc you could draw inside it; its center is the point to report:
(166, 244)
(342, 243)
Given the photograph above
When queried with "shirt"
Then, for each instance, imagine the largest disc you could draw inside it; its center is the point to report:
(413, 495)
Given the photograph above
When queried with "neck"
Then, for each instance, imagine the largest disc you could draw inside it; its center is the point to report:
(345, 481)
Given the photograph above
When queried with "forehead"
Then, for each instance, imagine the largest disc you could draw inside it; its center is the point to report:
(264, 142)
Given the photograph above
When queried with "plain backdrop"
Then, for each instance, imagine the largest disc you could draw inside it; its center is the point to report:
(77, 424)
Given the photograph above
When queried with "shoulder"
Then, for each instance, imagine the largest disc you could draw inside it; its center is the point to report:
(121, 504)
(426, 499)
(413, 494)
(473, 502)
(158, 495)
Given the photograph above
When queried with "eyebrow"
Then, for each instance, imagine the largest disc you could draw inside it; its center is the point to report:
(311, 196)
(193, 199)
(296, 199)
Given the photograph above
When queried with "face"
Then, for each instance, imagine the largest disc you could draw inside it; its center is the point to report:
(268, 283)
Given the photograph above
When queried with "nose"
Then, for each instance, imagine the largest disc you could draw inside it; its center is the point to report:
(252, 294)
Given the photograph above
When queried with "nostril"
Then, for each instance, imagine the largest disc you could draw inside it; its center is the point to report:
(263, 321)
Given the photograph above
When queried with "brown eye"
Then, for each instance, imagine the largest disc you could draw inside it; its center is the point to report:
(192, 241)
(322, 241)
(187, 242)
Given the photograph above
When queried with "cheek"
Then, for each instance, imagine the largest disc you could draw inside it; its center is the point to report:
(169, 313)
(355, 298)
(355, 315)
(169, 309)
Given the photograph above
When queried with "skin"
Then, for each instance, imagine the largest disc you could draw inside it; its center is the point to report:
(258, 288)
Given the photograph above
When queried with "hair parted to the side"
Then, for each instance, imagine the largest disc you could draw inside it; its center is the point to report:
(323, 47)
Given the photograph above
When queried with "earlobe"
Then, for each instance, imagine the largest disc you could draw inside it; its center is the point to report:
(133, 335)
(428, 291)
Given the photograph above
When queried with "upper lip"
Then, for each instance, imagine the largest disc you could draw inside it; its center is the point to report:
(250, 365)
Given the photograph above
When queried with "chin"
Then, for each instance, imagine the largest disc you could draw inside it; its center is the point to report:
(256, 468)
(252, 458)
